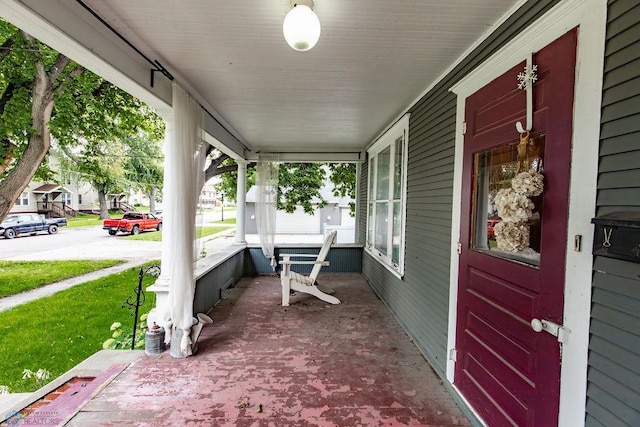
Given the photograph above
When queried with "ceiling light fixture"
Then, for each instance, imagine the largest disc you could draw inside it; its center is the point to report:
(301, 26)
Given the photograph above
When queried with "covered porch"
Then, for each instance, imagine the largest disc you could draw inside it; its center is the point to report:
(50, 202)
(311, 363)
(391, 87)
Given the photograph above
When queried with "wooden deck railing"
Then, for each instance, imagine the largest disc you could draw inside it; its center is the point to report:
(56, 210)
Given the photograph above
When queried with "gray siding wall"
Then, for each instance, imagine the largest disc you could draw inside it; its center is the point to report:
(613, 397)
(361, 203)
(342, 259)
(209, 286)
(420, 302)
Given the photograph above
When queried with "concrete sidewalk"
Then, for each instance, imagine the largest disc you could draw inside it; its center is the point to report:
(12, 301)
(145, 251)
(122, 249)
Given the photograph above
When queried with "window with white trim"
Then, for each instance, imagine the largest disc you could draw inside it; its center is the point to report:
(387, 197)
(66, 198)
(23, 200)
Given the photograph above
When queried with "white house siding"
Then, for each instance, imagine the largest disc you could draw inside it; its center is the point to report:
(29, 207)
(88, 194)
(298, 222)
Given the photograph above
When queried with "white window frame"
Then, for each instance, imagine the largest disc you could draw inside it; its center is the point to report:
(23, 200)
(399, 130)
(66, 198)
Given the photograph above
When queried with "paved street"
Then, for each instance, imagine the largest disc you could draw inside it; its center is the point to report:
(94, 243)
(83, 243)
(77, 243)
(87, 243)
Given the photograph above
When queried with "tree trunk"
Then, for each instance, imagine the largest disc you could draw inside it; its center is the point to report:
(104, 208)
(152, 198)
(39, 137)
(39, 142)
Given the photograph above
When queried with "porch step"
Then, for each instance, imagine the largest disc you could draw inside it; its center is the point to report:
(9, 400)
(60, 405)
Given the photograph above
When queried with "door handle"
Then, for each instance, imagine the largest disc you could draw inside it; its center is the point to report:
(554, 329)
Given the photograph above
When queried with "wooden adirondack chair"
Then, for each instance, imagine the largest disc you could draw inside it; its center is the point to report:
(295, 281)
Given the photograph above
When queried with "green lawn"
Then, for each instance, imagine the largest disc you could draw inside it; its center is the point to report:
(231, 221)
(58, 332)
(201, 231)
(86, 220)
(21, 276)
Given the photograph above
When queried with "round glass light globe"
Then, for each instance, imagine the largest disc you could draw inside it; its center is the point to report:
(301, 28)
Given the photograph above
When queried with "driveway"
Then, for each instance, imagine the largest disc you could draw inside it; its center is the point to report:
(78, 243)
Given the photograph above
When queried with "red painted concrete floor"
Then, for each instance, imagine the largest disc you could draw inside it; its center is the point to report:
(261, 364)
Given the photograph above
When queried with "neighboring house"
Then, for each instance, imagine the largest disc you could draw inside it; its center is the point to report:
(209, 196)
(63, 197)
(336, 215)
(54, 200)
(73, 195)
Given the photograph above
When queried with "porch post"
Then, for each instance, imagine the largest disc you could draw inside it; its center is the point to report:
(241, 197)
(361, 208)
(161, 285)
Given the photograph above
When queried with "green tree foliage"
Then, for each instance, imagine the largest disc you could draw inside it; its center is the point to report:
(143, 165)
(343, 177)
(131, 163)
(99, 164)
(299, 183)
(44, 96)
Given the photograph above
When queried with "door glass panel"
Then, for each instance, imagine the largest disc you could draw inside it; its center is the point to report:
(507, 200)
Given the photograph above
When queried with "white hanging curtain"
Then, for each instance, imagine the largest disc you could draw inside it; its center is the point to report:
(200, 159)
(267, 186)
(187, 155)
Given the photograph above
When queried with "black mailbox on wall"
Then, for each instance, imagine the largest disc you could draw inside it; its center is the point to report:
(618, 236)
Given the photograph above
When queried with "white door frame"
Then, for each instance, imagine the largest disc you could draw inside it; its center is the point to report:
(590, 17)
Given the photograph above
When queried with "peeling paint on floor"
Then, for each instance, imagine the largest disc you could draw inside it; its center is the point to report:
(261, 364)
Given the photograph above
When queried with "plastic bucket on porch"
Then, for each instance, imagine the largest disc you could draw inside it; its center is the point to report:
(154, 340)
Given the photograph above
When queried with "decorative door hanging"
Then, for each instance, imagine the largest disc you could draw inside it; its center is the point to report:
(514, 204)
(526, 80)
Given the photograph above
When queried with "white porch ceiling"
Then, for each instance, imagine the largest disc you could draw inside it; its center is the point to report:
(374, 58)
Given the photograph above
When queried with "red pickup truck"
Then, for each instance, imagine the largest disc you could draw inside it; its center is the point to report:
(133, 222)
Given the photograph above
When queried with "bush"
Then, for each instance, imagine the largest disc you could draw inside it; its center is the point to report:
(121, 339)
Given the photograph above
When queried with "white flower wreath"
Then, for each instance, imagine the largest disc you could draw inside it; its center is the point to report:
(515, 208)
(512, 206)
(512, 236)
(529, 183)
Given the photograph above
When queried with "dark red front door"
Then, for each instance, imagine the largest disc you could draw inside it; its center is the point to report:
(509, 373)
